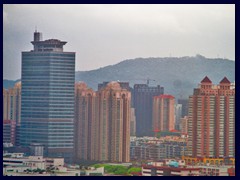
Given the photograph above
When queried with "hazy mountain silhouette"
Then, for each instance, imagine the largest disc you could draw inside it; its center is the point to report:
(178, 76)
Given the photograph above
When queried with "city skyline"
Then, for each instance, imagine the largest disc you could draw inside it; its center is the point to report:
(150, 118)
(103, 35)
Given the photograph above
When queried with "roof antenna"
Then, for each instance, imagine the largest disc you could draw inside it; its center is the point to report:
(35, 28)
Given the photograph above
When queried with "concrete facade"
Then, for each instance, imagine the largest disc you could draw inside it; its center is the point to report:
(211, 121)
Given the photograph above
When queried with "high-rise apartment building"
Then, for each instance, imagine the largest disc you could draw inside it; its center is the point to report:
(184, 103)
(143, 103)
(132, 123)
(184, 125)
(47, 106)
(211, 121)
(9, 131)
(86, 127)
(163, 113)
(102, 123)
(124, 85)
(178, 115)
(12, 114)
(12, 103)
(114, 105)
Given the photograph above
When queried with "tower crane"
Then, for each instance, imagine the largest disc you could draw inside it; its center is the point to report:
(148, 80)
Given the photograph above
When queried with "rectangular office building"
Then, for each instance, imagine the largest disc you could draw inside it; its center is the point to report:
(47, 107)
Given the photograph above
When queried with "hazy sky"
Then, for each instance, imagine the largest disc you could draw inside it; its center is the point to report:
(103, 35)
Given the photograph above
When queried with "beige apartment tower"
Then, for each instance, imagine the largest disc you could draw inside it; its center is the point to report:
(102, 123)
(211, 120)
(163, 113)
(85, 122)
(184, 125)
(114, 105)
(12, 103)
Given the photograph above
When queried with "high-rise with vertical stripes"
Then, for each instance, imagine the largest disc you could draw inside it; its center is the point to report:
(86, 124)
(211, 120)
(102, 122)
(47, 107)
(114, 106)
(163, 113)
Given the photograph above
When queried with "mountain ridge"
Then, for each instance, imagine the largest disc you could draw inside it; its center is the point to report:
(178, 75)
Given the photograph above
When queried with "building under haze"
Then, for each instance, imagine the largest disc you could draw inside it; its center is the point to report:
(132, 123)
(211, 120)
(114, 106)
(47, 107)
(12, 103)
(12, 113)
(143, 102)
(86, 127)
(102, 123)
(163, 113)
(9, 131)
(184, 103)
(178, 115)
(124, 85)
(184, 125)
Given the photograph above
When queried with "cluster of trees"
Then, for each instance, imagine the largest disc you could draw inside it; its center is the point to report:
(50, 169)
(40, 171)
(118, 169)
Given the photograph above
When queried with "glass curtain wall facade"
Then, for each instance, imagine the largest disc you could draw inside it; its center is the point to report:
(48, 76)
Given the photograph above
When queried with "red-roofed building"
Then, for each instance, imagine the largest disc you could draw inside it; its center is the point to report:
(174, 130)
(206, 80)
(225, 81)
(211, 120)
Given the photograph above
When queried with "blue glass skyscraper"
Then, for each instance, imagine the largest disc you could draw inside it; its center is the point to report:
(47, 106)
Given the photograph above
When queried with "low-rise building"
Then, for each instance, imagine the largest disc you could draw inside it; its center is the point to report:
(215, 170)
(158, 148)
(151, 170)
(95, 171)
(54, 162)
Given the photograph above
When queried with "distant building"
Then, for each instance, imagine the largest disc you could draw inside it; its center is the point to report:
(184, 103)
(132, 123)
(124, 85)
(114, 105)
(16, 164)
(152, 149)
(217, 161)
(12, 103)
(47, 104)
(207, 170)
(184, 125)
(143, 104)
(85, 122)
(36, 149)
(12, 112)
(95, 171)
(178, 115)
(9, 131)
(102, 123)
(211, 120)
(166, 170)
(163, 113)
